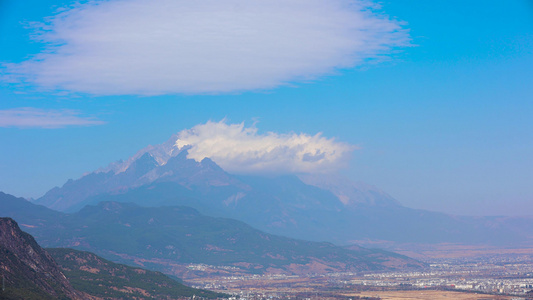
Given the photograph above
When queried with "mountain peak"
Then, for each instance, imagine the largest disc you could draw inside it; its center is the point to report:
(161, 163)
(161, 154)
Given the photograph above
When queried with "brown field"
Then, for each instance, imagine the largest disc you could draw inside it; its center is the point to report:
(427, 295)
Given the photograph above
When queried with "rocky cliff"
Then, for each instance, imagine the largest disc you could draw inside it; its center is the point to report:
(28, 271)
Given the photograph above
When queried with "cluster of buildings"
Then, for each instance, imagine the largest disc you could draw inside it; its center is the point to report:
(486, 275)
(491, 275)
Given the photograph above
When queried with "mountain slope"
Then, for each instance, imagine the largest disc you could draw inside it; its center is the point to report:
(351, 194)
(312, 208)
(28, 270)
(171, 239)
(101, 278)
(31, 272)
(285, 206)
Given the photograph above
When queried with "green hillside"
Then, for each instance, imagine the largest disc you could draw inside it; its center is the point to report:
(98, 277)
(170, 239)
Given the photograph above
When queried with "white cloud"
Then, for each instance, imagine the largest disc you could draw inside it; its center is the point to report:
(151, 47)
(27, 117)
(240, 149)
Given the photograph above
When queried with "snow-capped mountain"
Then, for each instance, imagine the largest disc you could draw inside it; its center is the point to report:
(310, 207)
(160, 153)
(167, 162)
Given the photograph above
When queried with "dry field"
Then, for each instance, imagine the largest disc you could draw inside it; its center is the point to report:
(427, 295)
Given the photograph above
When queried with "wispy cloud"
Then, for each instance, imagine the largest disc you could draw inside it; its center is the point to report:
(240, 149)
(28, 117)
(151, 47)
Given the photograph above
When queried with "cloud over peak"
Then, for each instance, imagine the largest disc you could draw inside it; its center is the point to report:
(240, 149)
(153, 47)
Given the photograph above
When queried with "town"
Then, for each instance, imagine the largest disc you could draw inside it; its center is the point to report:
(500, 276)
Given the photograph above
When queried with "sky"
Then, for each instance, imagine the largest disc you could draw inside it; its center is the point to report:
(431, 101)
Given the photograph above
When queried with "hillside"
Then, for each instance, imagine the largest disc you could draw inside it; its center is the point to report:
(101, 278)
(176, 240)
(29, 272)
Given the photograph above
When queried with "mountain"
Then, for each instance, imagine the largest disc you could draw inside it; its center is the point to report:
(28, 271)
(161, 163)
(350, 193)
(176, 240)
(163, 175)
(104, 279)
(317, 221)
(40, 217)
(317, 208)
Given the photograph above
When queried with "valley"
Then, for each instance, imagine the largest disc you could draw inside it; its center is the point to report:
(487, 277)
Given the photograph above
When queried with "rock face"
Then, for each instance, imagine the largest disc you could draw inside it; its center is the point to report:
(29, 271)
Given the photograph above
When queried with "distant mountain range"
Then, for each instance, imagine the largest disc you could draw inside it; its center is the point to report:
(30, 272)
(176, 240)
(318, 208)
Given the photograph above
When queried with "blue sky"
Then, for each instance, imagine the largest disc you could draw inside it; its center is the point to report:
(442, 121)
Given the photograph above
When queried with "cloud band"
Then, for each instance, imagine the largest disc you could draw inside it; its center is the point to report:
(27, 117)
(154, 47)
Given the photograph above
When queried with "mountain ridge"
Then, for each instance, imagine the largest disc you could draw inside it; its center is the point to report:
(307, 207)
(28, 271)
(169, 239)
